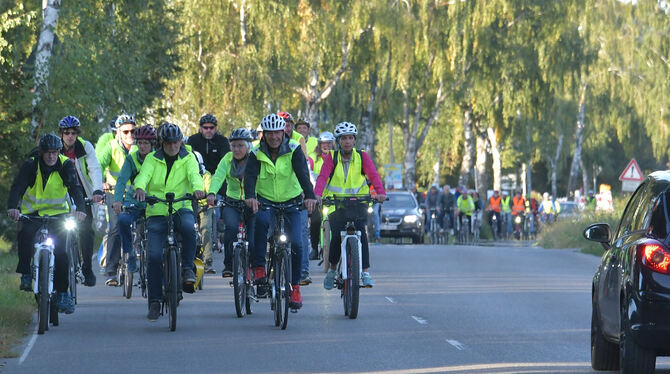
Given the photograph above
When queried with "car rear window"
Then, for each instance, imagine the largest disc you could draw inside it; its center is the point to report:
(399, 201)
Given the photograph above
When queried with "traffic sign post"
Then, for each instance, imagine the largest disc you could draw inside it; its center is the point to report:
(631, 176)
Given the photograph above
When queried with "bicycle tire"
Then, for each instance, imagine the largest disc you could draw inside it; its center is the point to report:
(127, 282)
(352, 285)
(276, 289)
(72, 266)
(285, 280)
(43, 296)
(239, 286)
(143, 271)
(247, 281)
(173, 292)
(53, 310)
(326, 245)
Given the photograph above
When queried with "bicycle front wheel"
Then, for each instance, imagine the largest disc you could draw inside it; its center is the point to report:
(173, 293)
(43, 296)
(239, 286)
(352, 284)
(326, 245)
(276, 290)
(285, 282)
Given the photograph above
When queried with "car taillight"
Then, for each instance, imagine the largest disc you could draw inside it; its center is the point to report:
(654, 256)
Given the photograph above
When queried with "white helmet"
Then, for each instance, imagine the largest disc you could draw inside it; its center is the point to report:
(345, 128)
(326, 137)
(272, 122)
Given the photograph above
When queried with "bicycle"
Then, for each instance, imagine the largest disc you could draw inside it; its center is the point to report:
(278, 267)
(476, 228)
(464, 230)
(434, 227)
(350, 267)
(494, 225)
(242, 282)
(171, 260)
(324, 250)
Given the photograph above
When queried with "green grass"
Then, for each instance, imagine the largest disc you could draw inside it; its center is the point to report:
(568, 233)
(16, 307)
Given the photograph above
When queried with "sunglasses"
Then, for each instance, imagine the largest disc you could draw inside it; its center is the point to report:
(208, 127)
(70, 132)
(126, 132)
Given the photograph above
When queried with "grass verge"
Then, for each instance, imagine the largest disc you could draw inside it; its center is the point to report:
(16, 307)
(568, 233)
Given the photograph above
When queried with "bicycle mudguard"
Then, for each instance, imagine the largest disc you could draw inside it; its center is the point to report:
(199, 271)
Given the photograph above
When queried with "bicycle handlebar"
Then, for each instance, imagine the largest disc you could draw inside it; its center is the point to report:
(282, 207)
(332, 200)
(151, 200)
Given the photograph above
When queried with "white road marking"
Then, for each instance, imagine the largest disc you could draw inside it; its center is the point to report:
(28, 347)
(456, 344)
(420, 320)
(390, 299)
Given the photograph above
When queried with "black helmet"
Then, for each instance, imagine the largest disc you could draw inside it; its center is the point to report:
(50, 141)
(241, 134)
(170, 133)
(208, 118)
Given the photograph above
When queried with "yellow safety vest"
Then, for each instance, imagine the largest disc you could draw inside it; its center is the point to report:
(277, 181)
(49, 199)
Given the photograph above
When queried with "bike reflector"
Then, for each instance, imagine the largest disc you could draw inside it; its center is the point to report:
(654, 256)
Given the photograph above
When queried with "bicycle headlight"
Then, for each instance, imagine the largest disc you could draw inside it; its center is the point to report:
(410, 219)
(282, 238)
(49, 242)
(70, 224)
(325, 211)
(170, 239)
(517, 219)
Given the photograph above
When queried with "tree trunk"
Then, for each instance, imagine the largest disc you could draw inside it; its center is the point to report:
(243, 23)
(495, 154)
(468, 148)
(585, 176)
(481, 177)
(577, 157)
(554, 166)
(367, 131)
(44, 45)
(437, 167)
(391, 155)
(524, 181)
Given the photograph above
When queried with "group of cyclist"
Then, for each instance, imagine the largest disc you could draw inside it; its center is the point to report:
(278, 165)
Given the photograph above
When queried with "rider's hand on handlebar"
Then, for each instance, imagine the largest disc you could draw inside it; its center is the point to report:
(199, 194)
(117, 207)
(310, 204)
(96, 199)
(381, 198)
(139, 194)
(253, 204)
(211, 199)
(80, 216)
(14, 214)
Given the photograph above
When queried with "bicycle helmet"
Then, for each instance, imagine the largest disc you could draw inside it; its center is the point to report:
(170, 133)
(272, 122)
(286, 116)
(302, 121)
(112, 123)
(68, 122)
(146, 133)
(49, 142)
(208, 118)
(345, 128)
(240, 134)
(123, 119)
(326, 137)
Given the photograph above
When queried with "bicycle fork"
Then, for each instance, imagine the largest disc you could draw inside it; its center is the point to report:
(39, 247)
(345, 237)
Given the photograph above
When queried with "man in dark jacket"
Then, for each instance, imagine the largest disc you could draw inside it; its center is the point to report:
(209, 143)
(447, 203)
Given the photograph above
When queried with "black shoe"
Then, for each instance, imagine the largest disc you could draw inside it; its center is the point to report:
(188, 276)
(26, 283)
(154, 311)
(305, 279)
(89, 278)
(313, 255)
(227, 273)
(262, 291)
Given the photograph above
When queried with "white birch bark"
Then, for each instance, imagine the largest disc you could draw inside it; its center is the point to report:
(554, 165)
(579, 137)
(495, 155)
(468, 148)
(481, 180)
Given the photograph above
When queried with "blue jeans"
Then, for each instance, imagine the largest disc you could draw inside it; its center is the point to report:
(375, 213)
(304, 224)
(157, 228)
(508, 226)
(126, 220)
(293, 229)
(232, 219)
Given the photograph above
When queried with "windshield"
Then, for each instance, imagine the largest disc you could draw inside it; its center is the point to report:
(399, 201)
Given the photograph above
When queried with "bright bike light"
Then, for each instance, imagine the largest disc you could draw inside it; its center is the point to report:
(517, 219)
(325, 211)
(410, 219)
(170, 239)
(70, 224)
(49, 242)
(370, 210)
(282, 238)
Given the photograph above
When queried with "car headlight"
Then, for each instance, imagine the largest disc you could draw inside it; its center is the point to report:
(282, 238)
(70, 224)
(410, 219)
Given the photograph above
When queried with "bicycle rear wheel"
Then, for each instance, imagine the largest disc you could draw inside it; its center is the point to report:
(173, 284)
(143, 271)
(352, 284)
(127, 280)
(239, 285)
(43, 296)
(285, 282)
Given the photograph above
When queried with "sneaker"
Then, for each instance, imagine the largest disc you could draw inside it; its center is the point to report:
(259, 275)
(313, 255)
(26, 283)
(112, 281)
(227, 273)
(262, 291)
(208, 268)
(154, 311)
(305, 279)
(188, 276)
(367, 280)
(65, 303)
(329, 280)
(89, 278)
(132, 264)
(296, 298)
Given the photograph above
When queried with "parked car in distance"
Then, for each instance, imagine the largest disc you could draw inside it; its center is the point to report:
(630, 319)
(401, 217)
(569, 210)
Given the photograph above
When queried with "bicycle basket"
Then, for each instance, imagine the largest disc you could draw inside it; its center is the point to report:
(352, 210)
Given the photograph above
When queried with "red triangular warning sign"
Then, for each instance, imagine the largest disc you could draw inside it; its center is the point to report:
(632, 172)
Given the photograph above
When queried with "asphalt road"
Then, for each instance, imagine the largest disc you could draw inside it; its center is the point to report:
(446, 309)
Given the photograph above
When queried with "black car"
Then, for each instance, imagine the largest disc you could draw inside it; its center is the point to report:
(630, 320)
(401, 217)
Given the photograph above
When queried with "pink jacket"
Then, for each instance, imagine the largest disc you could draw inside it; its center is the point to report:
(368, 168)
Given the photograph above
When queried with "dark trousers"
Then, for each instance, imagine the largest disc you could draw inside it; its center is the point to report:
(315, 228)
(26, 241)
(86, 238)
(232, 219)
(337, 224)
